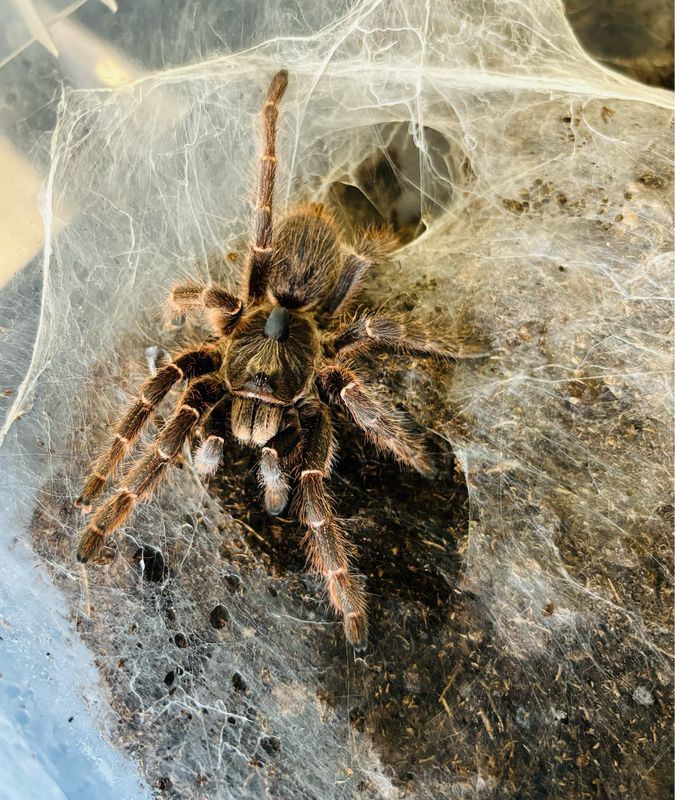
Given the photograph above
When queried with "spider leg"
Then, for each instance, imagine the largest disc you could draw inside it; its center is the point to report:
(145, 474)
(186, 366)
(402, 332)
(209, 455)
(384, 427)
(261, 246)
(324, 541)
(375, 245)
(223, 309)
(271, 473)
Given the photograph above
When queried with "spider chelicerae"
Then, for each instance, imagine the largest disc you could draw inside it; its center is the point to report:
(280, 350)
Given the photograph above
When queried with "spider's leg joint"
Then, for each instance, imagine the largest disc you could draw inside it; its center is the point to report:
(177, 368)
(346, 389)
(96, 529)
(333, 573)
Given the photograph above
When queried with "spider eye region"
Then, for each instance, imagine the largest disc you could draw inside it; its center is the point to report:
(277, 324)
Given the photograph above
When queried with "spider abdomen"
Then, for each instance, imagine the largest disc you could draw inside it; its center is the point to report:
(306, 257)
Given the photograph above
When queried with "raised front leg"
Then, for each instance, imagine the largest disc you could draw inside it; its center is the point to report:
(325, 541)
(261, 244)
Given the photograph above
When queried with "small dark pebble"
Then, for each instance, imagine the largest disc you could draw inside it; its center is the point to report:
(238, 682)
(271, 745)
(233, 583)
(154, 568)
(654, 181)
(219, 617)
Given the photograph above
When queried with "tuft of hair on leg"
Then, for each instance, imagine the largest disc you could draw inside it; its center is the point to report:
(277, 86)
(209, 456)
(94, 487)
(348, 598)
(356, 630)
(91, 544)
(377, 243)
(276, 497)
(273, 481)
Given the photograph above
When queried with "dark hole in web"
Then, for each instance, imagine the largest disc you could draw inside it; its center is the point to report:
(633, 38)
(152, 562)
(219, 617)
(399, 185)
(271, 745)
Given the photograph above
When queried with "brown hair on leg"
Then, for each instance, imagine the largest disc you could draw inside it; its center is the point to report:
(386, 428)
(326, 545)
(187, 365)
(146, 473)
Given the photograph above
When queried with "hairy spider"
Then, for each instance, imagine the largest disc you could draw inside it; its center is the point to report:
(279, 352)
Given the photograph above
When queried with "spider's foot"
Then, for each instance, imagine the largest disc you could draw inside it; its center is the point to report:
(91, 544)
(83, 505)
(92, 489)
(276, 501)
(413, 456)
(356, 630)
(209, 456)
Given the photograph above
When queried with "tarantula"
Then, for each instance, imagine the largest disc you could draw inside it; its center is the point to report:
(279, 348)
